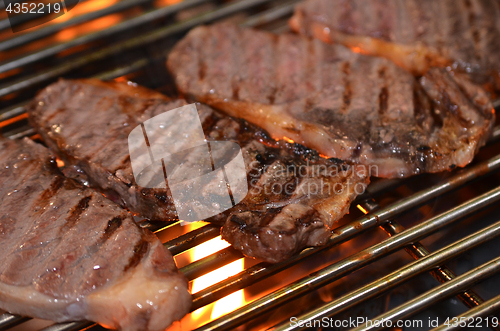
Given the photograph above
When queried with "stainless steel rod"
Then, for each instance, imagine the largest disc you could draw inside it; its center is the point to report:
(51, 29)
(192, 239)
(135, 42)
(118, 28)
(476, 315)
(211, 262)
(350, 264)
(395, 278)
(8, 320)
(438, 293)
(69, 326)
(417, 251)
(260, 18)
(263, 270)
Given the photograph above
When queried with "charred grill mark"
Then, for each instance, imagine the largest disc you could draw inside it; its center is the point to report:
(72, 184)
(308, 218)
(162, 197)
(384, 93)
(140, 249)
(357, 151)
(209, 123)
(423, 148)
(346, 98)
(125, 162)
(309, 105)
(419, 110)
(269, 217)
(382, 100)
(75, 214)
(274, 60)
(113, 225)
(310, 67)
(240, 222)
(49, 192)
(436, 115)
(265, 160)
(454, 109)
(272, 96)
(236, 91)
(202, 69)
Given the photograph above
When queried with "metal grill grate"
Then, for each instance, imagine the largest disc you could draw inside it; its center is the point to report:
(139, 45)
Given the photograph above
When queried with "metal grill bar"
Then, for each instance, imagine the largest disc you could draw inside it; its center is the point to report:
(13, 111)
(397, 277)
(261, 18)
(119, 28)
(19, 19)
(417, 251)
(192, 239)
(440, 292)
(8, 320)
(124, 46)
(271, 15)
(70, 326)
(352, 263)
(51, 29)
(487, 308)
(342, 234)
(261, 270)
(211, 262)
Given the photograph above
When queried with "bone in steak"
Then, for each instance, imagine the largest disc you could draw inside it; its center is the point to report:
(70, 254)
(415, 34)
(342, 104)
(294, 198)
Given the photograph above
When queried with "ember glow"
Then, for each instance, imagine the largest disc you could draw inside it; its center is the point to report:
(228, 303)
(222, 306)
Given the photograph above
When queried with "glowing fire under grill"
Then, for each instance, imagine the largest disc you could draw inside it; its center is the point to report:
(451, 228)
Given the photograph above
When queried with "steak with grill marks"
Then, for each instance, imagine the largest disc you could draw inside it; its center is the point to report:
(294, 198)
(69, 253)
(415, 34)
(88, 125)
(343, 104)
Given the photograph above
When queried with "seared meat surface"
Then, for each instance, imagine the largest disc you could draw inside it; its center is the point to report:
(88, 124)
(343, 104)
(71, 254)
(294, 196)
(415, 34)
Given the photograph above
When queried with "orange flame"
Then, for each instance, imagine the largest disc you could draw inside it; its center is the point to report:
(228, 303)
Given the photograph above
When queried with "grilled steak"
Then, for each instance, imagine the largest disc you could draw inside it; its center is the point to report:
(71, 254)
(342, 104)
(294, 196)
(415, 34)
(75, 120)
